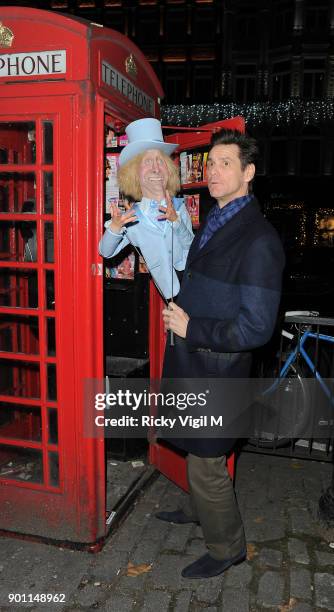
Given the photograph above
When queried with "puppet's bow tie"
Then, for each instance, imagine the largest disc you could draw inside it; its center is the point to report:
(156, 205)
(153, 212)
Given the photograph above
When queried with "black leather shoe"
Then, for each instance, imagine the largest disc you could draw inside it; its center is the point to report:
(207, 566)
(177, 516)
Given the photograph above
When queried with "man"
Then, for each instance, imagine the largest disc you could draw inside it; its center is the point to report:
(226, 307)
(159, 225)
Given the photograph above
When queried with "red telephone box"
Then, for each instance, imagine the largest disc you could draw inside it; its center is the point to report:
(61, 81)
(59, 78)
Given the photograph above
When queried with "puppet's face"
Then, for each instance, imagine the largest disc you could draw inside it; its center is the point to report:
(153, 174)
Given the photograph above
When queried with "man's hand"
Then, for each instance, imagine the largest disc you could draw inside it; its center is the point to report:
(175, 319)
(119, 219)
(169, 212)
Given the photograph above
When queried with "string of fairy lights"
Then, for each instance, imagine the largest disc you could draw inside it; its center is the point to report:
(273, 114)
(317, 225)
(295, 216)
(301, 226)
(324, 225)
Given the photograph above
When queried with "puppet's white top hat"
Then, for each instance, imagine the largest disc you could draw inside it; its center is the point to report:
(144, 134)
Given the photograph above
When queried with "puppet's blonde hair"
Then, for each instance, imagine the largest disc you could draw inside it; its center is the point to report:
(128, 177)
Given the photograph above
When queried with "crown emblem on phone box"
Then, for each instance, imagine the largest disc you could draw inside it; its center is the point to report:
(6, 36)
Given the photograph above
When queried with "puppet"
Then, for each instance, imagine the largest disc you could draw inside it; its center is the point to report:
(158, 223)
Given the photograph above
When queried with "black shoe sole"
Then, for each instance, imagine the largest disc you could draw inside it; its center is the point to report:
(159, 516)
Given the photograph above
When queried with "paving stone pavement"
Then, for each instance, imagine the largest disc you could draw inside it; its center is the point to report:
(290, 565)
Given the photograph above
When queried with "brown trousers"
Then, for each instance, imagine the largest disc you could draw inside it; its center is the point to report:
(212, 502)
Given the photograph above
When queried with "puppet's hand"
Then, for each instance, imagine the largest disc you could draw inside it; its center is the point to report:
(119, 219)
(169, 212)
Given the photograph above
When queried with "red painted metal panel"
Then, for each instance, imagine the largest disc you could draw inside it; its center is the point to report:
(157, 335)
(141, 85)
(48, 505)
(36, 31)
(195, 139)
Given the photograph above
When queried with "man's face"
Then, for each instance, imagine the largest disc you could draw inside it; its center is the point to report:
(226, 179)
(153, 174)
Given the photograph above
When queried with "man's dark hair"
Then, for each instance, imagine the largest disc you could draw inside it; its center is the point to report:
(248, 149)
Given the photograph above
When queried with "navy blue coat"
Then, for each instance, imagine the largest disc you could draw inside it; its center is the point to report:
(231, 291)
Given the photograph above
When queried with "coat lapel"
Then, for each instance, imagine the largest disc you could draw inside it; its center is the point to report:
(226, 234)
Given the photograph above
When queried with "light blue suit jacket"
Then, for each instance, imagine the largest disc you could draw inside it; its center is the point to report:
(155, 239)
